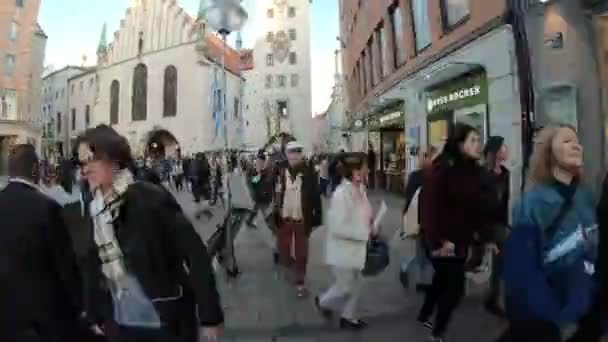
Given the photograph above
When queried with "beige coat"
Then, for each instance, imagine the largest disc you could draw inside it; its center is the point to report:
(348, 230)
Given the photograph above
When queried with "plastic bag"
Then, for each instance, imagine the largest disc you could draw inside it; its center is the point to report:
(132, 308)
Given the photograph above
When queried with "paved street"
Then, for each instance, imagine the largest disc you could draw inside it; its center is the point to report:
(259, 307)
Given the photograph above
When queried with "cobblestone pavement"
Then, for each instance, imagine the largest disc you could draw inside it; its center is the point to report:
(260, 307)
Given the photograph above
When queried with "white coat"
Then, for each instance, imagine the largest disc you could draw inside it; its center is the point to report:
(348, 229)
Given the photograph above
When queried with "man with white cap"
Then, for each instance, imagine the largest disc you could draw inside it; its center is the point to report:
(297, 212)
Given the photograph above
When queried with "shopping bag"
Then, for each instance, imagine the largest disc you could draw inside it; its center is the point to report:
(131, 306)
(377, 258)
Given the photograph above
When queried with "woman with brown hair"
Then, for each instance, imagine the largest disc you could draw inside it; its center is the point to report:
(551, 253)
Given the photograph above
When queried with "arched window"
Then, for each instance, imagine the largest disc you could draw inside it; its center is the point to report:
(139, 95)
(87, 115)
(114, 102)
(170, 92)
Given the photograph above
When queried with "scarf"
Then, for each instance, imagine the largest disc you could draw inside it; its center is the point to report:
(104, 211)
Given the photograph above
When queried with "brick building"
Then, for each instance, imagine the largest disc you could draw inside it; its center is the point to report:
(414, 66)
(22, 46)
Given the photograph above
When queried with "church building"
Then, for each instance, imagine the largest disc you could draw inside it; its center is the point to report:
(159, 82)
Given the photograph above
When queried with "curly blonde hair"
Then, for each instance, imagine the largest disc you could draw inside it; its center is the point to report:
(543, 161)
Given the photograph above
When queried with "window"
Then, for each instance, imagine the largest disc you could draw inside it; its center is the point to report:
(294, 80)
(236, 107)
(268, 81)
(397, 27)
(269, 59)
(12, 33)
(292, 34)
(454, 12)
(281, 80)
(373, 74)
(19, 3)
(62, 92)
(9, 64)
(59, 123)
(293, 58)
(291, 12)
(87, 116)
(422, 31)
(381, 40)
(170, 92)
(270, 13)
(140, 43)
(270, 37)
(91, 83)
(114, 102)
(139, 99)
(56, 95)
(81, 85)
(72, 89)
(73, 119)
(282, 109)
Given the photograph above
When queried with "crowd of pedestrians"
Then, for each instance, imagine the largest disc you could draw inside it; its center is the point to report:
(121, 262)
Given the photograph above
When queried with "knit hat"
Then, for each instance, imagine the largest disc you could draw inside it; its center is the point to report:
(493, 145)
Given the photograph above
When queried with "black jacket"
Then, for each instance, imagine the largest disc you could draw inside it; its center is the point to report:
(157, 240)
(39, 283)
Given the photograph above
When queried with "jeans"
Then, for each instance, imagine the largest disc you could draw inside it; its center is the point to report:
(445, 293)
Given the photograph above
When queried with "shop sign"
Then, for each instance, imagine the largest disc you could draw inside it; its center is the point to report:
(390, 117)
(458, 94)
(393, 119)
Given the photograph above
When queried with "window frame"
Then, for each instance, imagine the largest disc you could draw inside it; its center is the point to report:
(294, 36)
(398, 42)
(87, 116)
(415, 27)
(268, 82)
(73, 120)
(294, 80)
(270, 13)
(19, 3)
(445, 24)
(269, 37)
(170, 78)
(114, 105)
(13, 30)
(269, 59)
(13, 66)
(291, 12)
(293, 58)
(281, 81)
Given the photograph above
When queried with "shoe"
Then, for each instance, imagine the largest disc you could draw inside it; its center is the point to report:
(426, 323)
(356, 324)
(327, 314)
(301, 292)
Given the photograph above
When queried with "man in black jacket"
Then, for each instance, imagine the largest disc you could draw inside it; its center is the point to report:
(39, 283)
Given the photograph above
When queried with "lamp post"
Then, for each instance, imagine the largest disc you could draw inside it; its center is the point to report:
(225, 16)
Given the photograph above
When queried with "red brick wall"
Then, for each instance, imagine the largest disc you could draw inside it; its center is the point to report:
(365, 19)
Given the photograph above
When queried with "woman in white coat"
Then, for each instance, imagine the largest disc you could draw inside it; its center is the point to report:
(349, 226)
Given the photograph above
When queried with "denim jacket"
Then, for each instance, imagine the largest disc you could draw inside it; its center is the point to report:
(551, 277)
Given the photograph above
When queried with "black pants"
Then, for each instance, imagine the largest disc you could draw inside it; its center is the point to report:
(445, 293)
(520, 331)
(493, 296)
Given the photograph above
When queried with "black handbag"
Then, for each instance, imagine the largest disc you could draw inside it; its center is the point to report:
(377, 258)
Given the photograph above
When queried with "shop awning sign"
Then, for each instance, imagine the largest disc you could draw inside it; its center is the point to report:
(458, 94)
(390, 117)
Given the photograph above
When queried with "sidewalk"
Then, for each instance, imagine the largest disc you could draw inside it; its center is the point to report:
(261, 307)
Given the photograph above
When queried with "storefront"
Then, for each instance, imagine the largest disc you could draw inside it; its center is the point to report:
(387, 141)
(464, 99)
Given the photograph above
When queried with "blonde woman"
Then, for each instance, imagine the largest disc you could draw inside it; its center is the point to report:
(550, 256)
(349, 230)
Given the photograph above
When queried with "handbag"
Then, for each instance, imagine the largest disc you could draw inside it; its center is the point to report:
(377, 257)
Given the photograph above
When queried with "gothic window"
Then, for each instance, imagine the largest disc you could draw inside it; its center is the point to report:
(139, 96)
(114, 102)
(59, 123)
(140, 43)
(236, 107)
(87, 116)
(73, 119)
(170, 92)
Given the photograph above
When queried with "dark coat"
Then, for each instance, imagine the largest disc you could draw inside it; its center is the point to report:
(157, 240)
(451, 204)
(39, 283)
(311, 196)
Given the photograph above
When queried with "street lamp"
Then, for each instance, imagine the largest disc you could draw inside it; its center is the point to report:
(225, 16)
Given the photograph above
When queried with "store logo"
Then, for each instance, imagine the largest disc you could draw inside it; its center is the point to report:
(454, 96)
(391, 116)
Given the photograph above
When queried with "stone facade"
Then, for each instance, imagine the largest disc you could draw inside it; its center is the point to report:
(278, 92)
(155, 36)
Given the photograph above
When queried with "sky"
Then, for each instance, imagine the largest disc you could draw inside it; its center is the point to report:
(74, 29)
